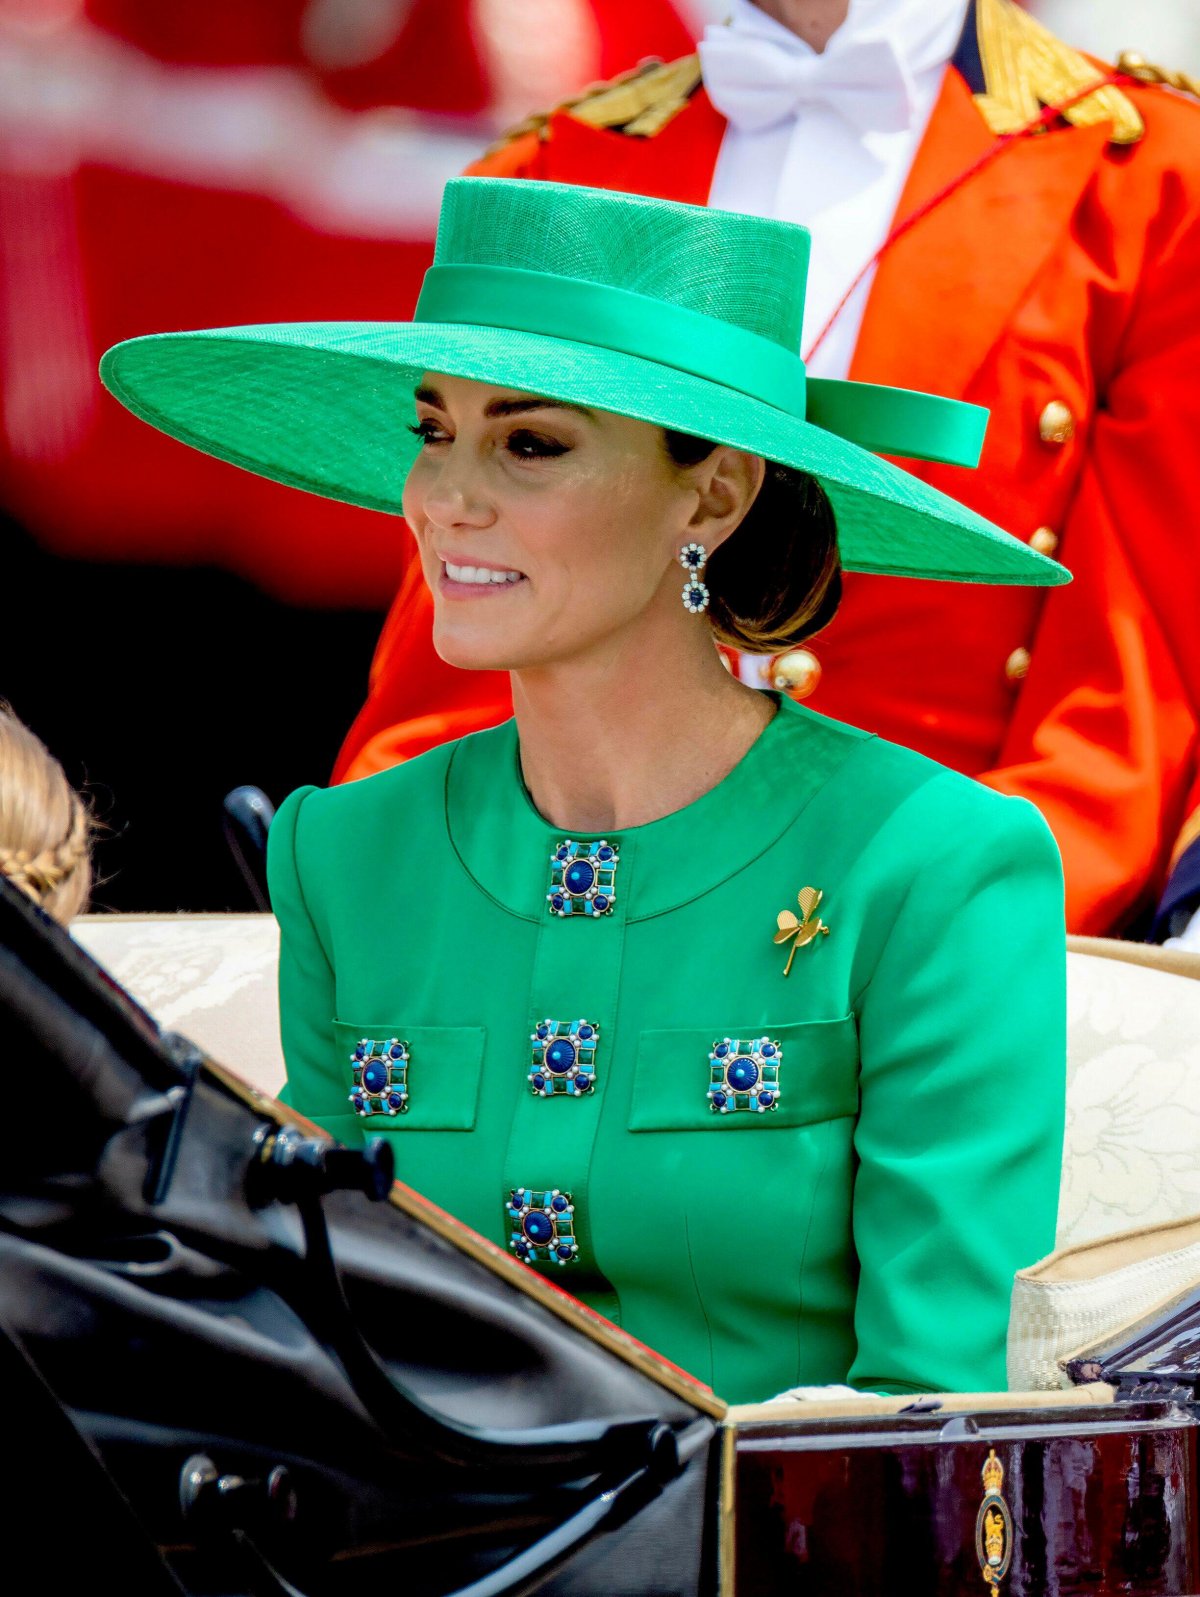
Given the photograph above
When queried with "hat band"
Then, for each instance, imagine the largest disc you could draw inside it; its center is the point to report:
(618, 320)
(886, 421)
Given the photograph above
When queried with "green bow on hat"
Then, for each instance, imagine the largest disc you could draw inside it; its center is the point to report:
(678, 315)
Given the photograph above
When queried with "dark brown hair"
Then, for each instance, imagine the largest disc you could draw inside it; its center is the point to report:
(778, 578)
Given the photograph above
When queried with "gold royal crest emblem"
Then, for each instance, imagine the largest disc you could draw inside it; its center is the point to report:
(993, 1526)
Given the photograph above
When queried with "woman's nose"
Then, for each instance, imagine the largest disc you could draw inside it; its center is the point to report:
(454, 493)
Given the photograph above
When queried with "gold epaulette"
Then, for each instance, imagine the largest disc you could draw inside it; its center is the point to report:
(1025, 68)
(1136, 66)
(639, 103)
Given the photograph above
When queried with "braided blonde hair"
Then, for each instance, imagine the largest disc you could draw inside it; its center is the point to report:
(45, 827)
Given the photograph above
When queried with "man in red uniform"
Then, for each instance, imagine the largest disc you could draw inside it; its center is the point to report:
(1049, 276)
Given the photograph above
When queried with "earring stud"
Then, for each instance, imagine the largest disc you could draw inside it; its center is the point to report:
(693, 557)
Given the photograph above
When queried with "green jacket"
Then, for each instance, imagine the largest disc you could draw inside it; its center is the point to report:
(867, 1225)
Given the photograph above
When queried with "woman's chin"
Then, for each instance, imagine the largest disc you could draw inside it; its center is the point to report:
(469, 650)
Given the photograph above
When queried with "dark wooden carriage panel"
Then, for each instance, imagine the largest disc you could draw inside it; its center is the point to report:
(1100, 1501)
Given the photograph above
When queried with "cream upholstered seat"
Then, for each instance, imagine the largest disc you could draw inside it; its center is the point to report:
(1132, 1154)
(211, 977)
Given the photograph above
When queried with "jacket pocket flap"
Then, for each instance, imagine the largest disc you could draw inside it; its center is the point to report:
(817, 1078)
(444, 1069)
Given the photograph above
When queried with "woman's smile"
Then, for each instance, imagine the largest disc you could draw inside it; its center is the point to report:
(462, 579)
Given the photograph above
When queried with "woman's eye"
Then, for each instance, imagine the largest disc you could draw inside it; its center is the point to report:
(534, 446)
(428, 432)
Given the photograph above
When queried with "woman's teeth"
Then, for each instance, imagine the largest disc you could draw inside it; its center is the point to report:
(480, 574)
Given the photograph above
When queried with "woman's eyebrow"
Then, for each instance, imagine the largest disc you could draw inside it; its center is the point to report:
(516, 407)
(501, 407)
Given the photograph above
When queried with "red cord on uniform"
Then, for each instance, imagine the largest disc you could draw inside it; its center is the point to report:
(1046, 117)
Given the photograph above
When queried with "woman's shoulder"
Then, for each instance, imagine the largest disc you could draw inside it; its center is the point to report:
(362, 820)
(416, 787)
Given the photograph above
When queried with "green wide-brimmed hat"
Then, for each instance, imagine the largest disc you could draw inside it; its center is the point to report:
(678, 315)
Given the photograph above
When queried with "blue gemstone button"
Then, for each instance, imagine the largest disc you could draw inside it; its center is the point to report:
(538, 1227)
(579, 877)
(558, 901)
(600, 903)
(585, 1032)
(560, 1056)
(375, 1077)
(742, 1074)
(604, 853)
(541, 1226)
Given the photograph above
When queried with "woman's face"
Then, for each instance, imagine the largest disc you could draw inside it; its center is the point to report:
(546, 531)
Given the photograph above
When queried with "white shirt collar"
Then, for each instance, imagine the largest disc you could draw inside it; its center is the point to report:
(924, 32)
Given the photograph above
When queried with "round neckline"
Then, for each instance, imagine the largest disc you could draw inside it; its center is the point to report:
(505, 844)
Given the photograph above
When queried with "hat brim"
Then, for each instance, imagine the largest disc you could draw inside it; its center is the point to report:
(327, 406)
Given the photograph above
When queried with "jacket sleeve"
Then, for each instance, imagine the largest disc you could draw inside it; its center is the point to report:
(963, 1080)
(306, 984)
(1105, 730)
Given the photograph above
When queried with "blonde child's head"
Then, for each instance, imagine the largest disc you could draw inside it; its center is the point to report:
(45, 827)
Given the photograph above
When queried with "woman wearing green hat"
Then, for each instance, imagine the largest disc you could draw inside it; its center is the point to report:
(744, 1026)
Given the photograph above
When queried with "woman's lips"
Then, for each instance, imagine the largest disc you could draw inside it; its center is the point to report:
(474, 581)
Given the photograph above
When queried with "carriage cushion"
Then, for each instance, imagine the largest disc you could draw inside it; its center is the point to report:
(1132, 1148)
(211, 977)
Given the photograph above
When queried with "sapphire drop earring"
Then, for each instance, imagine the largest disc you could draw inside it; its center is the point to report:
(693, 557)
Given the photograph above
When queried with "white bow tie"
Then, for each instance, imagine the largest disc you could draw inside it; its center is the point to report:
(757, 83)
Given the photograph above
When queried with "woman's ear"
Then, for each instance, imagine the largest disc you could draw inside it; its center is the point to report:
(727, 482)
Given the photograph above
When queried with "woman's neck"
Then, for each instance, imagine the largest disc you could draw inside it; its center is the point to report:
(606, 745)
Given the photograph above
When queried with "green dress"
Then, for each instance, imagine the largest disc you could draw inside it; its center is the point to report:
(862, 1223)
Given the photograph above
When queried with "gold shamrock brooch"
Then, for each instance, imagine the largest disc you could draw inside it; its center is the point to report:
(806, 929)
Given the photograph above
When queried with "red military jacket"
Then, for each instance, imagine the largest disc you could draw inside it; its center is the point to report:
(1057, 285)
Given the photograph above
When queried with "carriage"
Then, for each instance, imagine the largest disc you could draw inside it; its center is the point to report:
(240, 1359)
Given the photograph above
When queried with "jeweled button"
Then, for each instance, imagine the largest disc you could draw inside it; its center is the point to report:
(375, 1077)
(538, 1227)
(578, 877)
(559, 1056)
(741, 1074)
